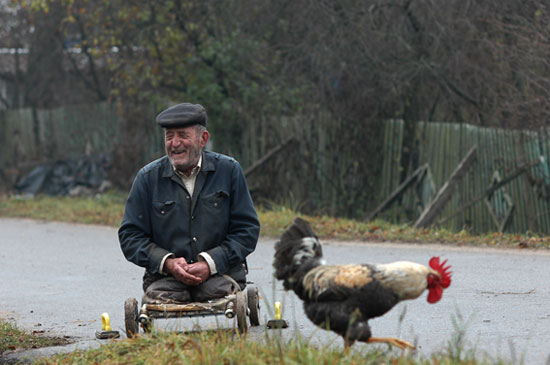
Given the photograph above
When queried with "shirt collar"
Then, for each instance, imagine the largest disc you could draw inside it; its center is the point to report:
(194, 172)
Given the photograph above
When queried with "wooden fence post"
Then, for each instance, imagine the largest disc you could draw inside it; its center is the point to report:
(446, 192)
(520, 170)
(414, 177)
(268, 156)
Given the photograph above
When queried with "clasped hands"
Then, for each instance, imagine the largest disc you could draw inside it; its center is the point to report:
(189, 274)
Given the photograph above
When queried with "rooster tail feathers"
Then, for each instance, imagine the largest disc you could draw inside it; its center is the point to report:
(297, 252)
(298, 230)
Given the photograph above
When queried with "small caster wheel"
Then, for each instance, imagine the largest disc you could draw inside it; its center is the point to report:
(131, 317)
(253, 305)
(240, 312)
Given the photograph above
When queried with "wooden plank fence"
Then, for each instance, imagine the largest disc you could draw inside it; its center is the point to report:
(30, 137)
(500, 153)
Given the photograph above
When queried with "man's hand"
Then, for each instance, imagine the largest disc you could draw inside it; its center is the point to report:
(179, 268)
(200, 269)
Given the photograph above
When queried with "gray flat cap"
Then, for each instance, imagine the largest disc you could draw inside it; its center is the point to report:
(182, 115)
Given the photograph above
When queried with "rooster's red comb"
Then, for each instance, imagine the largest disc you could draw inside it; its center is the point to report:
(443, 270)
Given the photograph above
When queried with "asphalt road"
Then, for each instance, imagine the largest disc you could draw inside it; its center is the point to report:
(59, 278)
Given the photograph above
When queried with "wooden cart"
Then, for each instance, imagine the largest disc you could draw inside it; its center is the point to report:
(243, 304)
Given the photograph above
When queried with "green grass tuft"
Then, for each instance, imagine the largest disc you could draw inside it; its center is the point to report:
(12, 338)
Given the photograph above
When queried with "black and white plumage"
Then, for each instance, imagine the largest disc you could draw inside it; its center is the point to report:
(343, 298)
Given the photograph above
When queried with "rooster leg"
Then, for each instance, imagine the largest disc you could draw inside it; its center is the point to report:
(347, 345)
(392, 341)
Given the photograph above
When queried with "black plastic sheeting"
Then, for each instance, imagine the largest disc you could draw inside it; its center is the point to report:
(66, 177)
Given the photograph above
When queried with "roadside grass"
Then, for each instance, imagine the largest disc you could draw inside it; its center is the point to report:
(107, 209)
(227, 347)
(13, 338)
(104, 209)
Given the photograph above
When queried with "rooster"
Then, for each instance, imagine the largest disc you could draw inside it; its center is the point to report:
(342, 298)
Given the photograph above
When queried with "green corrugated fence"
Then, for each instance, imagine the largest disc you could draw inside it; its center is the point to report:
(499, 154)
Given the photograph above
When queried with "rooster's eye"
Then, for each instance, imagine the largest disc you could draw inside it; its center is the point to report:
(432, 279)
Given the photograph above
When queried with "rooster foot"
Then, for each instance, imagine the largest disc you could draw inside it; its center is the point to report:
(392, 341)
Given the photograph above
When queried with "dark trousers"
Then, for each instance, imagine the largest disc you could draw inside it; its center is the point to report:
(160, 289)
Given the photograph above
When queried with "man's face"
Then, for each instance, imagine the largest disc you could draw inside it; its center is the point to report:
(184, 146)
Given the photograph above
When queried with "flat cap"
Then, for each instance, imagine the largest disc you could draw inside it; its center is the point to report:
(182, 115)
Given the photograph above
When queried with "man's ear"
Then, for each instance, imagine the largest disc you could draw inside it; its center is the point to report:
(205, 136)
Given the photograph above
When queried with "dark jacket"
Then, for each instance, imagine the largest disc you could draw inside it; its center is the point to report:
(160, 216)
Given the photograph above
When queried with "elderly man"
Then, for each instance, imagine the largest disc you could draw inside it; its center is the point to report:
(189, 218)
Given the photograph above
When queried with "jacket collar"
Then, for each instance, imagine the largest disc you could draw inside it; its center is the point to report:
(207, 161)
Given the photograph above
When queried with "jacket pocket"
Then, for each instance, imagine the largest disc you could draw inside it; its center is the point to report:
(164, 208)
(215, 203)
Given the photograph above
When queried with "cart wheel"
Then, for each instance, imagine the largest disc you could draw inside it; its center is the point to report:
(131, 317)
(240, 311)
(253, 305)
